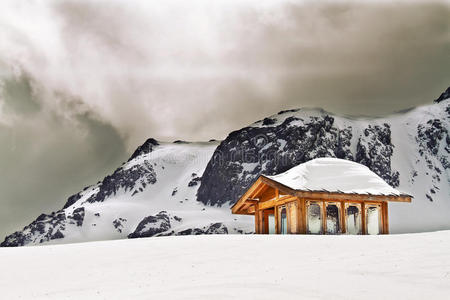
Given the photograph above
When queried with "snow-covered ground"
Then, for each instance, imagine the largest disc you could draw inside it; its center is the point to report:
(410, 266)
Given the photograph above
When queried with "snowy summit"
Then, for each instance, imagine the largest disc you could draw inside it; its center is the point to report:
(334, 175)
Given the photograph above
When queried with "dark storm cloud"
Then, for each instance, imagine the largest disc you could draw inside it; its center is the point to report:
(84, 82)
(45, 158)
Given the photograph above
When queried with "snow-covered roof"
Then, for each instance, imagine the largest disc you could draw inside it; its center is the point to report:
(334, 175)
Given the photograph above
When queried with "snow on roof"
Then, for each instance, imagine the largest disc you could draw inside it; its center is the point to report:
(334, 175)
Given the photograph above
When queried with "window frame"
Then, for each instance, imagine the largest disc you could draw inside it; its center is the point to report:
(368, 205)
(361, 212)
(321, 206)
(340, 225)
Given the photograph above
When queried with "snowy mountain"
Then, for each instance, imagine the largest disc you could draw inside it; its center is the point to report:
(187, 188)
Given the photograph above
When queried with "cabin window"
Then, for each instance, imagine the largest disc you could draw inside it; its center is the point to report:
(271, 221)
(373, 222)
(283, 220)
(293, 209)
(333, 213)
(353, 219)
(314, 217)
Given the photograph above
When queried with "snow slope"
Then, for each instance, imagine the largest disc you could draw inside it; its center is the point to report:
(410, 266)
(334, 175)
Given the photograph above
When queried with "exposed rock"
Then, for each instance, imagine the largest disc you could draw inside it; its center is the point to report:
(43, 229)
(127, 179)
(444, 96)
(118, 224)
(195, 181)
(375, 150)
(251, 151)
(214, 228)
(145, 148)
(153, 225)
(77, 216)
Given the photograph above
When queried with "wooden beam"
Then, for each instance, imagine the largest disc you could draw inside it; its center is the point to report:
(350, 197)
(236, 207)
(274, 202)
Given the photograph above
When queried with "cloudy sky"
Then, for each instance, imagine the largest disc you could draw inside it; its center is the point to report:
(83, 83)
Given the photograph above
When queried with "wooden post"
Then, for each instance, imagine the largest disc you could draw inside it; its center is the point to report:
(324, 218)
(343, 214)
(299, 217)
(266, 222)
(384, 212)
(275, 213)
(303, 215)
(256, 219)
(363, 218)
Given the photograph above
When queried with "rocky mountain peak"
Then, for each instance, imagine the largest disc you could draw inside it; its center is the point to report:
(145, 148)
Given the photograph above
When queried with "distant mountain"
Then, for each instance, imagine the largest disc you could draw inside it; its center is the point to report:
(187, 188)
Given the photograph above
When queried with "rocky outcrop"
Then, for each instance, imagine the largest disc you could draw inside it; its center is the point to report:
(153, 225)
(444, 96)
(214, 228)
(134, 178)
(145, 148)
(375, 150)
(45, 228)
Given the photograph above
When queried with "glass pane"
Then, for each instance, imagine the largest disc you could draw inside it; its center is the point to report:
(293, 217)
(314, 219)
(283, 218)
(373, 220)
(271, 220)
(353, 220)
(332, 219)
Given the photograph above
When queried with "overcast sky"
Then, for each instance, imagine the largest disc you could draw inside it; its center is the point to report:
(83, 83)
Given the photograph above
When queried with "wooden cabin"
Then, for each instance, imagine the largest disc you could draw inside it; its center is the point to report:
(321, 196)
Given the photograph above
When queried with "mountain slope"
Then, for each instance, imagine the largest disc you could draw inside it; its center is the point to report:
(186, 188)
(151, 194)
